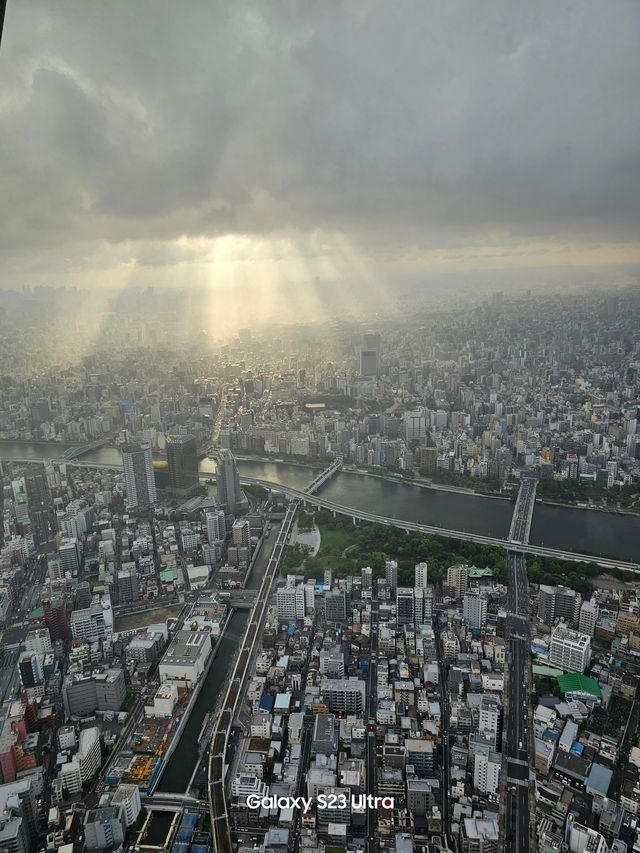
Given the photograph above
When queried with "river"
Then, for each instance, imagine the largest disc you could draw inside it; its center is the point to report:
(566, 528)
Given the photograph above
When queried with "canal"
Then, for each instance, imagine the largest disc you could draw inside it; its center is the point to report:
(182, 762)
(566, 528)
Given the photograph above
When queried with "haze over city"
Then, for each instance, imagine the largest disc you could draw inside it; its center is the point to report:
(320, 427)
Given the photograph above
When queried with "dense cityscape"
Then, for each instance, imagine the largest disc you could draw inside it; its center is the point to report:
(203, 650)
(320, 426)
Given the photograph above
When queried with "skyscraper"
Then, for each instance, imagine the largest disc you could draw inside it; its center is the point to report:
(39, 506)
(182, 456)
(229, 492)
(370, 354)
(138, 476)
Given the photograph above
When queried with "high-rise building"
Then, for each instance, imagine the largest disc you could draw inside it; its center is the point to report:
(228, 481)
(366, 575)
(490, 718)
(39, 505)
(457, 577)
(182, 456)
(405, 612)
(558, 602)
(419, 601)
(569, 649)
(421, 575)
(241, 532)
(55, 618)
(40, 411)
(216, 530)
(70, 555)
(391, 574)
(474, 609)
(139, 476)
(486, 770)
(335, 605)
(30, 667)
(588, 618)
(370, 355)
(291, 602)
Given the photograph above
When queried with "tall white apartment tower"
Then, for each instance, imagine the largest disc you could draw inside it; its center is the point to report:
(216, 530)
(421, 575)
(138, 476)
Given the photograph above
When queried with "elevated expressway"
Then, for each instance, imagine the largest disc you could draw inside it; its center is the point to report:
(220, 825)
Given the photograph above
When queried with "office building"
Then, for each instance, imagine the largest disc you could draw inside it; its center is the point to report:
(335, 605)
(104, 828)
(569, 650)
(421, 575)
(182, 456)
(474, 609)
(30, 667)
(70, 555)
(89, 624)
(228, 482)
(139, 477)
(291, 602)
(39, 505)
(128, 587)
(457, 578)
(186, 656)
(20, 799)
(100, 690)
(370, 355)
(405, 613)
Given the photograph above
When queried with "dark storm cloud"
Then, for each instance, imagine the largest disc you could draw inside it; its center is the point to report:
(384, 121)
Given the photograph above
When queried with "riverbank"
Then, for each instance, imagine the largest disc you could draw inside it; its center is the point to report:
(590, 507)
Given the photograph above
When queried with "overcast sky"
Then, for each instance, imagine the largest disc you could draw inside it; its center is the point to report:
(173, 142)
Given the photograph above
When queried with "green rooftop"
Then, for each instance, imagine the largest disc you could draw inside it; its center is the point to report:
(168, 575)
(475, 572)
(575, 681)
(37, 612)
